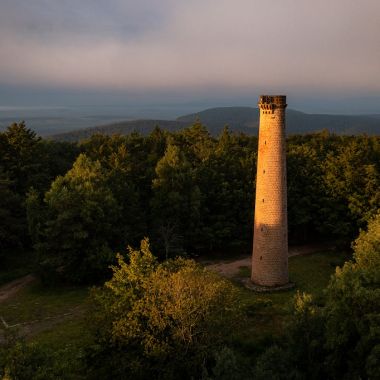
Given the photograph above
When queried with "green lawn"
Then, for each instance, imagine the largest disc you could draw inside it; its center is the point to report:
(61, 333)
(268, 313)
(35, 302)
(72, 332)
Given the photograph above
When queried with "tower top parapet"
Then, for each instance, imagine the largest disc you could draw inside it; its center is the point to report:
(274, 100)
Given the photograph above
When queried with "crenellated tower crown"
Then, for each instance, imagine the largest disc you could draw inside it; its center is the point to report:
(271, 102)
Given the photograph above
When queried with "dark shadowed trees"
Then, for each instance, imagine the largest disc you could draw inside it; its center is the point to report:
(26, 161)
(75, 235)
(175, 202)
(352, 311)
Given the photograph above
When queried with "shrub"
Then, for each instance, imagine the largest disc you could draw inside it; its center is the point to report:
(160, 320)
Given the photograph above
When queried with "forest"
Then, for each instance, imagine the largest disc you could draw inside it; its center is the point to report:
(131, 217)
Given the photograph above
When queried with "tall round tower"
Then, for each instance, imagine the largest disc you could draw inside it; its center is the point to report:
(270, 242)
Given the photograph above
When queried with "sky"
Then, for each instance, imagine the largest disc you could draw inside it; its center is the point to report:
(325, 54)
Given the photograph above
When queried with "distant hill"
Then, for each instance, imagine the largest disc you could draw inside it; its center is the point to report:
(239, 119)
(296, 122)
(122, 128)
(46, 126)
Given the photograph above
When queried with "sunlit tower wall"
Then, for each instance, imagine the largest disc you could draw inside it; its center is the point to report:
(270, 240)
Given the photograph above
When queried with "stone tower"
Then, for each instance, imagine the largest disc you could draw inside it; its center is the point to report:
(270, 242)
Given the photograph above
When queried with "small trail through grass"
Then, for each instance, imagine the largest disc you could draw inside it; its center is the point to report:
(30, 308)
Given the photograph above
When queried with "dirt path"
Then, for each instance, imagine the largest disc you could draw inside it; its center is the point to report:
(231, 268)
(11, 288)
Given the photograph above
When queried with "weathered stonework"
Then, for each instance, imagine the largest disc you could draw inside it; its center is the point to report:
(270, 242)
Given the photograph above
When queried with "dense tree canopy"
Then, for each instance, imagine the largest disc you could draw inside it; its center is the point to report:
(26, 161)
(353, 310)
(75, 233)
(188, 191)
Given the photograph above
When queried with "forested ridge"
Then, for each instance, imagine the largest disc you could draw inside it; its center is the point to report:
(72, 206)
(239, 119)
(243, 119)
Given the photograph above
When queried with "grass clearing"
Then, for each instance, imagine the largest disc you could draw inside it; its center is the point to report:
(268, 313)
(72, 332)
(36, 302)
(60, 311)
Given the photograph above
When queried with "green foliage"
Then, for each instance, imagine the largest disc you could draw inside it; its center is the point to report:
(31, 361)
(353, 310)
(159, 320)
(175, 202)
(367, 247)
(75, 236)
(325, 182)
(29, 161)
(20, 157)
(226, 185)
(274, 364)
(25, 161)
(19, 169)
(300, 354)
(352, 176)
(305, 190)
(186, 190)
(227, 366)
(128, 164)
(12, 219)
(189, 191)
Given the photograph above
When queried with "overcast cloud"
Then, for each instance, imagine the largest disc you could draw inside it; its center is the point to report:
(325, 46)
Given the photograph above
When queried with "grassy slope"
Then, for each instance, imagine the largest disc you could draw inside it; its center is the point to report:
(37, 302)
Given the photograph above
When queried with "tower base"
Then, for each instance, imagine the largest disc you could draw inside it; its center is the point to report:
(266, 289)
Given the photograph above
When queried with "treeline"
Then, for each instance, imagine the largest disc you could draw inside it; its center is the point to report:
(78, 204)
